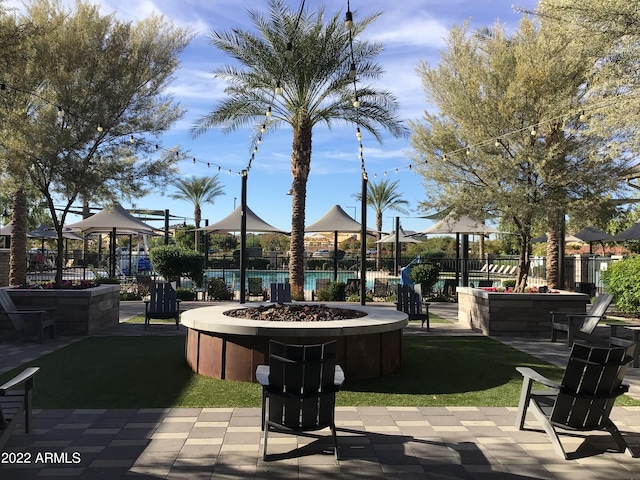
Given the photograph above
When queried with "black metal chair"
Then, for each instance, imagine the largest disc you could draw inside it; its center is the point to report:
(299, 389)
(582, 401)
(163, 304)
(580, 324)
(410, 302)
(280, 293)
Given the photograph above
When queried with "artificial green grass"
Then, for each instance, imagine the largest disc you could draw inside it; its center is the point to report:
(146, 372)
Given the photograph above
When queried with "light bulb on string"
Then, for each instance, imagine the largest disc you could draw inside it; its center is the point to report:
(358, 134)
(352, 71)
(131, 139)
(60, 112)
(356, 102)
(534, 132)
(269, 112)
(278, 88)
(100, 128)
(288, 53)
(348, 21)
(264, 128)
(582, 116)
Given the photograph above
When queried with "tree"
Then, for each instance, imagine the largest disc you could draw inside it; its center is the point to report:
(315, 89)
(383, 196)
(198, 191)
(77, 114)
(508, 140)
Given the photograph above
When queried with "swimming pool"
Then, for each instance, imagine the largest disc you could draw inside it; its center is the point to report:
(232, 277)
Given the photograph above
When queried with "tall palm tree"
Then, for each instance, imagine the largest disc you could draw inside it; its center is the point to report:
(313, 87)
(198, 191)
(383, 196)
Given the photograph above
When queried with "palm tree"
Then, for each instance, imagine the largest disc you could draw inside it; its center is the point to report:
(308, 61)
(198, 191)
(383, 196)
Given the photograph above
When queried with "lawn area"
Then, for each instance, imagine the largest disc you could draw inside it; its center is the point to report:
(135, 372)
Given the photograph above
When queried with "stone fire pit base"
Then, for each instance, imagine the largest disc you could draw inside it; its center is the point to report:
(223, 347)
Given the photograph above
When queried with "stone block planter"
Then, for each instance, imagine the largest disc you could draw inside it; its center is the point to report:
(78, 312)
(514, 314)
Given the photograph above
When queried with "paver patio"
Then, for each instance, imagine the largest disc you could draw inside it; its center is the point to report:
(375, 442)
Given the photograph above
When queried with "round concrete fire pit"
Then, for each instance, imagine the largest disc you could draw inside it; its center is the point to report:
(225, 347)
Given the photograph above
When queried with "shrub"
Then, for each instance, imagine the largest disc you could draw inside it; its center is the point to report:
(335, 292)
(356, 298)
(426, 274)
(622, 280)
(185, 294)
(172, 262)
(510, 283)
(217, 289)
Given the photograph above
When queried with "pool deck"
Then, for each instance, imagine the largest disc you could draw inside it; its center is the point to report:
(375, 442)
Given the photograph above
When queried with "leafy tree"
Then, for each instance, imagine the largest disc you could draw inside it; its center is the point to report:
(223, 242)
(508, 139)
(383, 196)
(76, 112)
(315, 89)
(198, 191)
(172, 262)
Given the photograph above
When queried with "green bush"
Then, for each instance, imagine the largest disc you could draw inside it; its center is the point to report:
(185, 294)
(335, 292)
(172, 262)
(129, 296)
(356, 298)
(217, 289)
(510, 283)
(426, 274)
(622, 280)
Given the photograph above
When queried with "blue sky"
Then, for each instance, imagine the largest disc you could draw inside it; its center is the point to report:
(412, 31)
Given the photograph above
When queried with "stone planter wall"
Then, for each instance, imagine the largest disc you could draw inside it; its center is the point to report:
(514, 314)
(78, 312)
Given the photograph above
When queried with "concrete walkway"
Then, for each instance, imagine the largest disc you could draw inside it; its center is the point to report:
(375, 442)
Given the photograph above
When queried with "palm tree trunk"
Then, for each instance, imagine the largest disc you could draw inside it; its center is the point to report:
(378, 237)
(553, 250)
(197, 215)
(300, 165)
(18, 250)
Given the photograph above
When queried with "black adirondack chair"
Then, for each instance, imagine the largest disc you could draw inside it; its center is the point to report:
(16, 401)
(582, 401)
(28, 322)
(280, 293)
(299, 389)
(163, 304)
(410, 302)
(580, 324)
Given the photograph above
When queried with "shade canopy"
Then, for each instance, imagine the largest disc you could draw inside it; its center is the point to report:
(45, 232)
(631, 233)
(403, 237)
(111, 218)
(335, 220)
(231, 223)
(567, 238)
(592, 234)
(462, 224)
